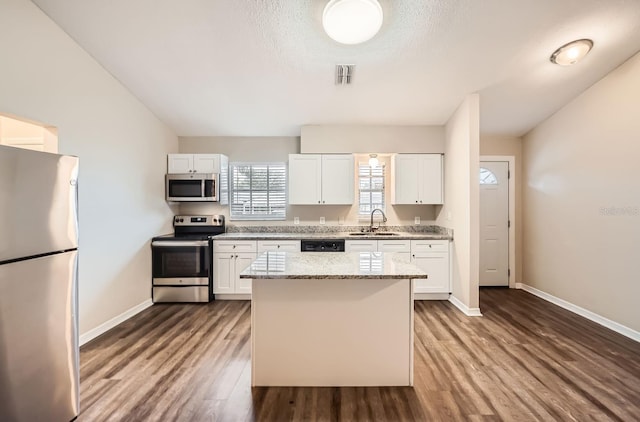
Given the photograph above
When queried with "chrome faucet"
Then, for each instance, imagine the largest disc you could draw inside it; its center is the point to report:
(384, 220)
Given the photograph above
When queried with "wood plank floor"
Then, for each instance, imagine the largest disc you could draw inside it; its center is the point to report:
(524, 360)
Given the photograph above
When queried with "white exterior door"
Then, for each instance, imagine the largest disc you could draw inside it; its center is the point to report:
(494, 223)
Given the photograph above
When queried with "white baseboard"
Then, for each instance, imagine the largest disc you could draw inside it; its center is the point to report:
(431, 296)
(464, 308)
(233, 296)
(612, 325)
(103, 328)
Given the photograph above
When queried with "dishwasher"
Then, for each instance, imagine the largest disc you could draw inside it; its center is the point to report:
(322, 245)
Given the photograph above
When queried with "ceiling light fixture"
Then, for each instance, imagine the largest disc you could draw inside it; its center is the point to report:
(352, 21)
(373, 160)
(572, 52)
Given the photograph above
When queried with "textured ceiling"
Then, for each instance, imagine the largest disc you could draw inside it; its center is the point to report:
(265, 67)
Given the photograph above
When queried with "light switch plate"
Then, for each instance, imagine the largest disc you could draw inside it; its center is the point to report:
(296, 220)
(321, 220)
(416, 220)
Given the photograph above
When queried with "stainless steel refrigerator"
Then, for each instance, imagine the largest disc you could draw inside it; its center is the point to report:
(39, 354)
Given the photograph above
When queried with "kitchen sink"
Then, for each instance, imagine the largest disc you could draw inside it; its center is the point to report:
(373, 234)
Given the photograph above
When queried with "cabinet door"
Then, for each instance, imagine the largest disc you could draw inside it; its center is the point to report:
(243, 260)
(430, 179)
(406, 177)
(206, 163)
(437, 267)
(337, 179)
(305, 182)
(223, 272)
(179, 163)
(361, 245)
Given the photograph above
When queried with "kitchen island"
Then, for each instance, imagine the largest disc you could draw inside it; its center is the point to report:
(332, 319)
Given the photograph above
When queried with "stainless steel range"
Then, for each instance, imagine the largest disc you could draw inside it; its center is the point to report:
(182, 263)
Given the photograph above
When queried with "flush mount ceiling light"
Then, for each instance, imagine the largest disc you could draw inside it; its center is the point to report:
(373, 160)
(352, 21)
(572, 52)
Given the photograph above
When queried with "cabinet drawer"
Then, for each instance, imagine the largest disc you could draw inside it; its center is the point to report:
(279, 245)
(429, 246)
(394, 246)
(234, 246)
(361, 245)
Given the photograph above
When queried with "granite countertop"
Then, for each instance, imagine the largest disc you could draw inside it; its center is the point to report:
(332, 265)
(331, 235)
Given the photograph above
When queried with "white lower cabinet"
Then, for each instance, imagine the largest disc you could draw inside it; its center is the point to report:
(230, 258)
(432, 256)
(366, 245)
(402, 247)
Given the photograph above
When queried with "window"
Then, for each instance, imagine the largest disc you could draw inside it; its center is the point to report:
(487, 177)
(258, 191)
(371, 184)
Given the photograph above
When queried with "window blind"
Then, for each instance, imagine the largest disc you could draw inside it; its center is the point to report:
(371, 188)
(258, 191)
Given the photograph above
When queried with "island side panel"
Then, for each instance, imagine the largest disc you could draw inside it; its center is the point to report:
(348, 332)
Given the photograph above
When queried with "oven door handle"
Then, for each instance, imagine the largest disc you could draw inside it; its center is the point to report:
(169, 243)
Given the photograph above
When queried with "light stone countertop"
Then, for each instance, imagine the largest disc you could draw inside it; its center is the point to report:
(332, 265)
(334, 235)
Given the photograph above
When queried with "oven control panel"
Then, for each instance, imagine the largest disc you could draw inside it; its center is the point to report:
(198, 220)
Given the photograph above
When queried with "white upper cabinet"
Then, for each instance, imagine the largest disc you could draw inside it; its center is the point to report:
(417, 179)
(337, 179)
(196, 163)
(321, 179)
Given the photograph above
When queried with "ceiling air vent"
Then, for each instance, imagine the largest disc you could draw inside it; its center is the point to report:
(344, 73)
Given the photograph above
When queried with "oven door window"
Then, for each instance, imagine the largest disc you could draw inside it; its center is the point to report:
(185, 188)
(180, 261)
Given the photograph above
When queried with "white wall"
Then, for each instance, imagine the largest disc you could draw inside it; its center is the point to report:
(318, 139)
(582, 199)
(460, 211)
(278, 149)
(45, 76)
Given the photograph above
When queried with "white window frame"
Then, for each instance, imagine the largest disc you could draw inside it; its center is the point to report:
(233, 215)
(365, 215)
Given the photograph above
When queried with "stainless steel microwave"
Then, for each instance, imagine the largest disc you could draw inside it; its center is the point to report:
(192, 187)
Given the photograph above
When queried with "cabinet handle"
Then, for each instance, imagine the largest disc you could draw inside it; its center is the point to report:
(318, 202)
(421, 201)
(414, 255)
(323, 202)
(429, 246)
(278, 246)
(236, 257)
(416, 201)
(231, 256)
(234, 246)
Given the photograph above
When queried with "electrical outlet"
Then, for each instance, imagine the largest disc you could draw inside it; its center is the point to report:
(416, 220)
(321, 220)
(296, 220)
